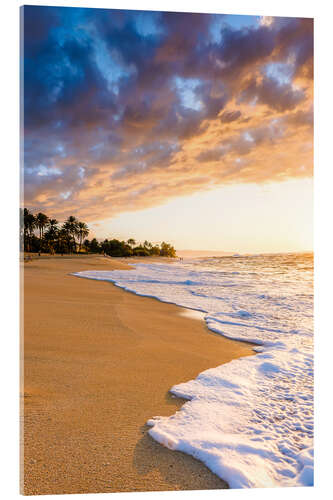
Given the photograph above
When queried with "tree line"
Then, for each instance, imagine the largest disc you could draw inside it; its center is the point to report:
(40, 233)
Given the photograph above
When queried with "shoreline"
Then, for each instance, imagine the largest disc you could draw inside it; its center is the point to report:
(87, 398)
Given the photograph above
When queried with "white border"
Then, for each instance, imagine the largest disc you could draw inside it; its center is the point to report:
(323, 231)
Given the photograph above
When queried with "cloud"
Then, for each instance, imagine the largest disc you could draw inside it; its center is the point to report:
(277, 96)
(125, 109)
(210, 155)
(230, 116)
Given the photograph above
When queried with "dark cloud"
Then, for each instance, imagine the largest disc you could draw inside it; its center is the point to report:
(301, 118)
(210, 155)
(277, 96)
(295, 38)
(230, 116)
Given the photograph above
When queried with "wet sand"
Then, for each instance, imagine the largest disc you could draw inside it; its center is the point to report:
(98, 363)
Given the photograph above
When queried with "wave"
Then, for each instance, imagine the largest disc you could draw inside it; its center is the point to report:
(251, 420)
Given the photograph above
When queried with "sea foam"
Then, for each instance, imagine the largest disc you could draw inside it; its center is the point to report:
(250, 420)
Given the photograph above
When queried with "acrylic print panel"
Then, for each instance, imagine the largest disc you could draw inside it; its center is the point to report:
(168, 154)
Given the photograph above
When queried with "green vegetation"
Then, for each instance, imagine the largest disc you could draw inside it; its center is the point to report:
(70, 237)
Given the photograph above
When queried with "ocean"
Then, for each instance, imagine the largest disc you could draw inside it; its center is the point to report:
(250, 420)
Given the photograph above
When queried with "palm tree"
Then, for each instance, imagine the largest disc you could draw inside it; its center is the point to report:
(63, 240)
(82, 231)
(94, 246)
(53, 223)
(148, 245)
(24, 223)
(86, 245)
(29, 226)
(71, 226)
(131, 242)
(52, 233)
(22, 230)
(41, 221)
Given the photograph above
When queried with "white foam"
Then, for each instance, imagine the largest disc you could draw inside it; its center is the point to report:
(192, 314)
(251, 420)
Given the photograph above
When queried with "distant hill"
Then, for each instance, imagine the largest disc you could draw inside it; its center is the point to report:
(201, 253)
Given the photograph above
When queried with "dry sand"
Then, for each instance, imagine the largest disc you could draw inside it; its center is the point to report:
(98, 363)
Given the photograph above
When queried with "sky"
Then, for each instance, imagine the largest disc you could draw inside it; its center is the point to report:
(196, 129)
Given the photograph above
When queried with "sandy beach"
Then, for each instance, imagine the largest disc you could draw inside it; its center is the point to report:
(98, 363)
